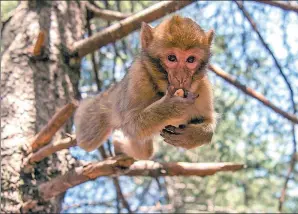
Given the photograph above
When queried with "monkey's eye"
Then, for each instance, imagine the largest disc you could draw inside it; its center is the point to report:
(190, 59)
(172, 58)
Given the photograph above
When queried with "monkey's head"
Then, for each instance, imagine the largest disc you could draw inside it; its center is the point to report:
(178, 47)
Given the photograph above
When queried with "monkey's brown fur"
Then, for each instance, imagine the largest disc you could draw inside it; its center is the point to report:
(142, 104)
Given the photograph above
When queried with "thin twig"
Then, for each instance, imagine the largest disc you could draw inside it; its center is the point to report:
(120, 196)
(284, 189)
(109, 15)
(293, 156)
(88, 203)
(282, 4)
(94, 65)
(218, 71)
(254, 26)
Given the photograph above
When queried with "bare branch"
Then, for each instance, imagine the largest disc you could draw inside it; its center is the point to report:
(111, 167)
(60, 117)
(120, 195)
(156, 169)
(119, 192)
(82, 174)
(254, 26)
(108, 15)
(282, 4)
(52, 148)
(126, 26)
(218, 71)
(89, 204)
(94, 64)
(284, 190)
(292, 165)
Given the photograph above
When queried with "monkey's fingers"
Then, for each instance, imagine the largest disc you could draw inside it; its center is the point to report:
(171, 91)
(170, 138)
(173, 130)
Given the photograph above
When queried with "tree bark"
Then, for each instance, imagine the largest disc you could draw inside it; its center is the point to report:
(33, 88)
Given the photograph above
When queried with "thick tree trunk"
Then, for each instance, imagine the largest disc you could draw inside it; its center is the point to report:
(32, 89)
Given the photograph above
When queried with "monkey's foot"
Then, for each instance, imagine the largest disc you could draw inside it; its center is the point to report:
(123, 164)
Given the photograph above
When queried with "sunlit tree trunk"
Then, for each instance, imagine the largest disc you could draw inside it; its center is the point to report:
(32, 89)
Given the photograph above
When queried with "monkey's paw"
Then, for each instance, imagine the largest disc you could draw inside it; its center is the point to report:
(175, 136)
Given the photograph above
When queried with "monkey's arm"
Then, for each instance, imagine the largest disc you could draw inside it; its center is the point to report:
(200, 129)
(189, 136)
(151, 120)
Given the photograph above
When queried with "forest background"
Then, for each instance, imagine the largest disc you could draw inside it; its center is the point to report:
(256, 44)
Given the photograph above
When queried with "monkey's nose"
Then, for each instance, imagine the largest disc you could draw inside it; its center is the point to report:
(182, 82)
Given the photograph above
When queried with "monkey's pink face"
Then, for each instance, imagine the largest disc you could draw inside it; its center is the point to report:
(182, 65)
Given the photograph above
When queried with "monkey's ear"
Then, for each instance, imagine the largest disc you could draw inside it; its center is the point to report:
(210, 35)
(146, 35)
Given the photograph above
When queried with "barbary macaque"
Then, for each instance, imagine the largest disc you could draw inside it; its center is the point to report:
(166, 91)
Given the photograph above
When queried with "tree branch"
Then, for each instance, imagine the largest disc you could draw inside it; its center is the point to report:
(282, 5)
(120, 195)
(126, 26)
(52, 148)
(284, 190)
(218, 71)
(254, 26)
(116, 184)
(108, 15)
(60, 117)
(93, 60)
(293, 157)
(113, 166)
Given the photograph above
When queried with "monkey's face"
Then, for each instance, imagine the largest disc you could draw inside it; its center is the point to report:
(178, 47)
(183, 67)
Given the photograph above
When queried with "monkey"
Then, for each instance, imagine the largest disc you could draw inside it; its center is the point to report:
(174, 56)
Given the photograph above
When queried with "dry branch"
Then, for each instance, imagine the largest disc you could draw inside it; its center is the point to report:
(57, 121)
(108, 15)
(284, 189)
(266, 46)
(282, 4)
(140, 168)
(82, 174)
(126, 26)
(52, 148)
(277, 64)
(120, 195)
(156, 169)
(218, 71)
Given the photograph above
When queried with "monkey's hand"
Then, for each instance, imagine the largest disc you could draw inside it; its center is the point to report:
(156, 116)
(176, 104)
(188, 136)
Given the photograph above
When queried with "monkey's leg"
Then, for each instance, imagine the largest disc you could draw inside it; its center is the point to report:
(92, 123)
(189, 136)
(140, 150)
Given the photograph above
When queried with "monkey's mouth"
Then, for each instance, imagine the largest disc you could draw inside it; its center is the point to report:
(181, 92)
